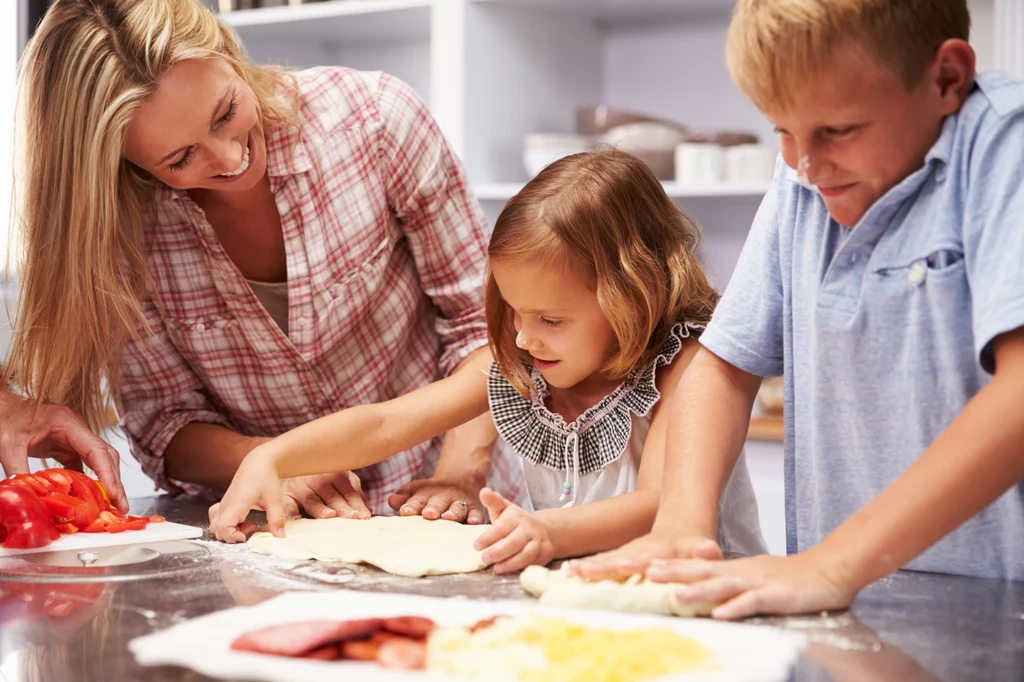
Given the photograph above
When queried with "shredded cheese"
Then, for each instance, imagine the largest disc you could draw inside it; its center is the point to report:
(543, 649)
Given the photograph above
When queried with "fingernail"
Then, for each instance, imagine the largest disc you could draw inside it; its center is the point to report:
(406, 509)
(429, 510)
(684, 594)
(328, 513)
(294, 517)
(365, 514)
(660, 562)
(657, 573)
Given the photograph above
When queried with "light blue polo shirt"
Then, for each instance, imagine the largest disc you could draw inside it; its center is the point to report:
(883, 332)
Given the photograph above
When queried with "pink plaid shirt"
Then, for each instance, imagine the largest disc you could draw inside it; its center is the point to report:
(385, 252)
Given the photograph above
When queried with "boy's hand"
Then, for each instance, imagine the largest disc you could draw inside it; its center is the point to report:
(254, 486)
(634, 557)
(516, 538)
(801, 583)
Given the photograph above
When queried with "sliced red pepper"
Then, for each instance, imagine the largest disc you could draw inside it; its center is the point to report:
(82, 512)
(60, 511)
(138, 524)
(97, 526)
(156, 518)
(66, 528)
(57, 478)
(85, 488)
(29, 483)
(25, 518)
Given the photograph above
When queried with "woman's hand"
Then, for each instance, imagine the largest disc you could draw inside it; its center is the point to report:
(55, 432)
(325, 496)
(516, 539)
(440, 498)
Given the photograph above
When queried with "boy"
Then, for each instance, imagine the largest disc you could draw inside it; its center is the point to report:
(891, 297)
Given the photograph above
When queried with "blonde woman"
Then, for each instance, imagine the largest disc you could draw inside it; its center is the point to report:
(227, 251)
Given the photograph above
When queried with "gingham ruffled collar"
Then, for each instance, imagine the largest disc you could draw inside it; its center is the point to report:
(601, 433)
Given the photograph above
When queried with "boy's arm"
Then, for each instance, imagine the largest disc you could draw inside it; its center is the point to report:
(975, 460)
(705, 432)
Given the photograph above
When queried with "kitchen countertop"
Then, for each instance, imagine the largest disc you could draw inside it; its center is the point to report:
(906, 627)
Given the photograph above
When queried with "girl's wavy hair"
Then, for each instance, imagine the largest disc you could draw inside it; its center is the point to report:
(605, 216)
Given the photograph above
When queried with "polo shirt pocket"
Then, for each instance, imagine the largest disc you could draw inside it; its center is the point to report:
(925, 300)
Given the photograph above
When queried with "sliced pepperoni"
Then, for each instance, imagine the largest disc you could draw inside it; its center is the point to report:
(359, 650)
(485, 623)
(403, 654)
(297, 639)
(410, 626)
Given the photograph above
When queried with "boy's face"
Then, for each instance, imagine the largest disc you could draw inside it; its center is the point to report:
(860, 131)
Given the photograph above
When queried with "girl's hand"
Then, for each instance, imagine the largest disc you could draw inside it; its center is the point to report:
(635, 557)
(800, 583)
(254, 486)
(516, 538)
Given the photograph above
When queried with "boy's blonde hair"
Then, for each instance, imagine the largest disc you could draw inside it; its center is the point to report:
(776, 49)
(604, 216)
(80, 206)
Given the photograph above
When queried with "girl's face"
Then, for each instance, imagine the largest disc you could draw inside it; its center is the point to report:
(200, 130)
(558, 320)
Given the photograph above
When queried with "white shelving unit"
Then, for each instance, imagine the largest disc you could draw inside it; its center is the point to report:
(503, 191)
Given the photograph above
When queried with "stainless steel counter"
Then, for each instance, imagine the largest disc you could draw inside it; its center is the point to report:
(907, 627)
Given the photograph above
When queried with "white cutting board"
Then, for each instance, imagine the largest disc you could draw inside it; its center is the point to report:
(745, 653)
(154, 532)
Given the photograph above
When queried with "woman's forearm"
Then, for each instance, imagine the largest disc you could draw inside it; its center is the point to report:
(207, 454)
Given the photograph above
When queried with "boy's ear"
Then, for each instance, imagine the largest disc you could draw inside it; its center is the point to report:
(953, 73)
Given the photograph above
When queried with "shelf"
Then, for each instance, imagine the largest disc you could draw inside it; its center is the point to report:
(503, 191)
(336, 22)
(626, 11)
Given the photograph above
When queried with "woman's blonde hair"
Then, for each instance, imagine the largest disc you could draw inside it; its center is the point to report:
(79, 205)
(604, 216)
(777, 49)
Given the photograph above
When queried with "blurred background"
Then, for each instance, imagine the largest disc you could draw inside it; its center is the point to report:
(516, 84)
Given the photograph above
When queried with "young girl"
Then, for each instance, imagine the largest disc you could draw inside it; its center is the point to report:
(594, 300)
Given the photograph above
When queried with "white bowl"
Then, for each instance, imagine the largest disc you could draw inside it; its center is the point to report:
(542, 149)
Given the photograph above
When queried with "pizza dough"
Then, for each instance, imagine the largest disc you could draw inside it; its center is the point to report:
(558, 588)
(402, 545)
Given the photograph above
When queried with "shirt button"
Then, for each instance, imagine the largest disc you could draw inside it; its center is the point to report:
(200, 327)
(853, 257)
(916, 275)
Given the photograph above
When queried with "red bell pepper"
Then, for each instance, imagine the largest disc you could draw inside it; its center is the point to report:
(85, 488)
(57, 478)
(73, 510)
(25, 519)
(30, 483)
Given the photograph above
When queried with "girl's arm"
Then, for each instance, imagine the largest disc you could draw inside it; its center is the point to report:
(519, 539)
(347, 440)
